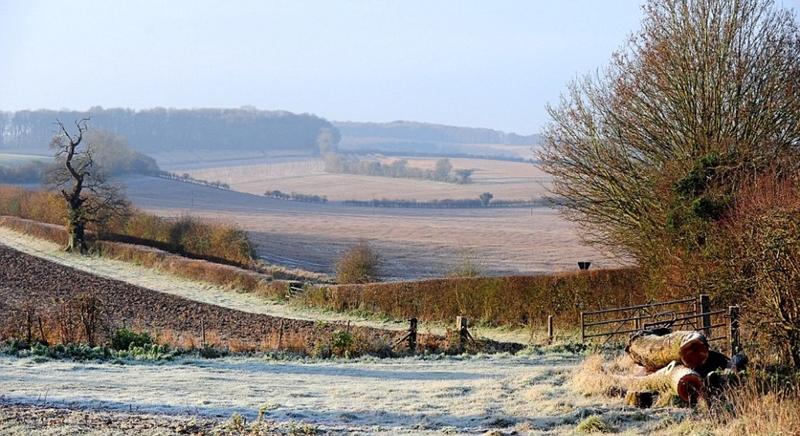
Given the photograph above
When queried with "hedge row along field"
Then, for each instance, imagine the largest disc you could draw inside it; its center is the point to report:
(494, 301)
(187, 236)
(227, 276)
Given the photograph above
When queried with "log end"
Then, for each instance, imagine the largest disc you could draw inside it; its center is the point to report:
(694, 350)
(689, 387)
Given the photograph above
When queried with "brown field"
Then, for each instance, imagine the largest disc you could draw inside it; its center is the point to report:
(414, 243)
(507, 180)
(31, 282)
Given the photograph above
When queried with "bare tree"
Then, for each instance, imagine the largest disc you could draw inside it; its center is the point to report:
(89, 196)
(702, 99)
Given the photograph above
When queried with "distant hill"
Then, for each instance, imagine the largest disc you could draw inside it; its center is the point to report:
(416, 137)
(165, 130)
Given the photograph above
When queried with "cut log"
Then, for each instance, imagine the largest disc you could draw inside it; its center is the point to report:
(680, 380)
(655, 352)
(686, 383)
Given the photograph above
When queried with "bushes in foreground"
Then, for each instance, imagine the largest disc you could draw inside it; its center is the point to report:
(509, 301)
(185, 235)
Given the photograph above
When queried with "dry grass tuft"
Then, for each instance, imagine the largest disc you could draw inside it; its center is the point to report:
(599, 375)
(771, 408)
(595, 424)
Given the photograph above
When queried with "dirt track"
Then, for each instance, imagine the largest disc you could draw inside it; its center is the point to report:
(24, 277)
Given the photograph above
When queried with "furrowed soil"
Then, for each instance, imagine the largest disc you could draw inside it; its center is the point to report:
(211, 294)
(28, 279)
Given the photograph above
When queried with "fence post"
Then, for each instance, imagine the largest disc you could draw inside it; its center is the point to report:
(412, 335)
(203, 330)
(549, 329)
(280, 336)
(705, 307)
(463, 333)
(733, 329)
(583, 329)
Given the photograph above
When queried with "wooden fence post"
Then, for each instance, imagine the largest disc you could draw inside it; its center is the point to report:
(463, 333)
(549, 329)
(280, 336)
(733, 329)
(412, 335)
(203, 331)
(705, 307)
(583, 328)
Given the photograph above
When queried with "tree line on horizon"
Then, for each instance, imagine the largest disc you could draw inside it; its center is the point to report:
(162, 129)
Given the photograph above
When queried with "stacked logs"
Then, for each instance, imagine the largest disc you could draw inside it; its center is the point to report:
(681, 359)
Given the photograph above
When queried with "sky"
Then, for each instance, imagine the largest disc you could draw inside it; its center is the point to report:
(469, 63)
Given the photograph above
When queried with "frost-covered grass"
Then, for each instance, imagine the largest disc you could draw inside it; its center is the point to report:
(471, 394)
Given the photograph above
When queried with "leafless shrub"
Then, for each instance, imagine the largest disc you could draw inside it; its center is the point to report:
(359, 264)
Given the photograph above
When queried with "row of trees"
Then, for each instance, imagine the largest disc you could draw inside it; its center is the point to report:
(482, 201)
(187, 178)
(161, 129)
(684, 154)
(296, 196)
(443, 172)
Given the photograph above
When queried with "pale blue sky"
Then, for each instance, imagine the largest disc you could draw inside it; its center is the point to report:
(473, 63)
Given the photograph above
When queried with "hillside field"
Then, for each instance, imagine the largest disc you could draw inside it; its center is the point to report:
(507, 180)
(413, 243)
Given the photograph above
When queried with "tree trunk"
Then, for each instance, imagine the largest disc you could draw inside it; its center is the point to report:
(76, 228)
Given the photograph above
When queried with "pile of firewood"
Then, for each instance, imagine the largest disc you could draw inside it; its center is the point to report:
(681, 360)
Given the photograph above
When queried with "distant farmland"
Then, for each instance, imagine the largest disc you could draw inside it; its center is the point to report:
(414, 243)
(506, 180)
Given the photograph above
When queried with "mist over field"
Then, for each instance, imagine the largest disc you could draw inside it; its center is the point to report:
(451, 217)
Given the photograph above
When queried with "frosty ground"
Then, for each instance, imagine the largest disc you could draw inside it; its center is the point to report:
(526, 393)
(475, 394)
